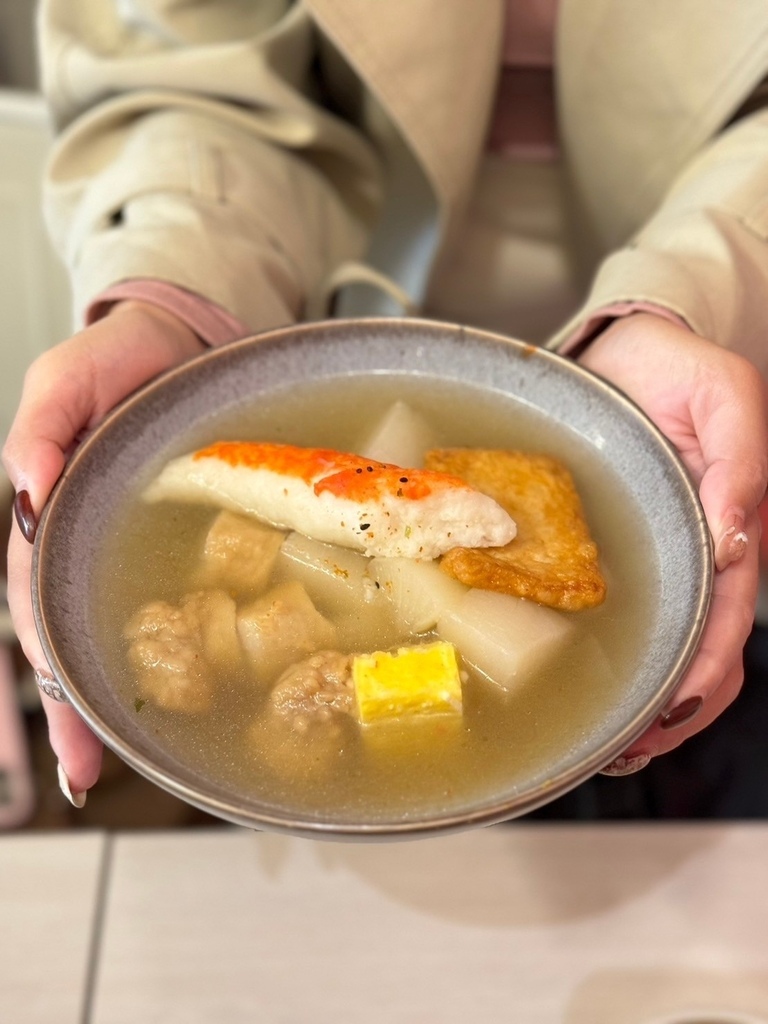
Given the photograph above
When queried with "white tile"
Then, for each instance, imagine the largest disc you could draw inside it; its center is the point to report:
(49, 887)
(541, 925)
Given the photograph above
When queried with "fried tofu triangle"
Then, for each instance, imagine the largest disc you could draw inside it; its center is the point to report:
(553, 559)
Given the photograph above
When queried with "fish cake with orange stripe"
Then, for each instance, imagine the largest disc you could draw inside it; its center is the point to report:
(338, 498)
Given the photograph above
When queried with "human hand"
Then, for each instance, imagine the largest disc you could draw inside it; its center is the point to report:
(711, 404)
(67, 391)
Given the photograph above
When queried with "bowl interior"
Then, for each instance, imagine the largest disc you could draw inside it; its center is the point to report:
(178, 410)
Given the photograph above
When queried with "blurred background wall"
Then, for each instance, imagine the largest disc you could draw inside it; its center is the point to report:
(17, 49)
(34, 297)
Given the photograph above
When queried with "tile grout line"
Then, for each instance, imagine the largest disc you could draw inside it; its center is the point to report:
(97, 930)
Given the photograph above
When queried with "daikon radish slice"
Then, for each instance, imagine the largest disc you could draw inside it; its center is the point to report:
(401, 436)
(334, 576)
(507, 639)
(419, 591)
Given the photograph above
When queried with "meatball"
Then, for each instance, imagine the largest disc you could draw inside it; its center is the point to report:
(302, 733)
(177, 649)
(315, 690)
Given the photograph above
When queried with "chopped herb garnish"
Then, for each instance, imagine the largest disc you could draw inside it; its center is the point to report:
(139, 703)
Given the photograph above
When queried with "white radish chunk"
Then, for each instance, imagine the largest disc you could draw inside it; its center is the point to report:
(401, 437)
(506, 638)
(419, 591)
(334, 577)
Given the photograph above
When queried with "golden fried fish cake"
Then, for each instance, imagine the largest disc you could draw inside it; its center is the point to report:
(553, 559)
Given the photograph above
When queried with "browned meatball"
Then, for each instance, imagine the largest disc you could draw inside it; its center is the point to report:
(315, 690)
(175, 649)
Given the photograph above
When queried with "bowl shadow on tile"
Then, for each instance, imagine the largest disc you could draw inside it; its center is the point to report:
(534, 874)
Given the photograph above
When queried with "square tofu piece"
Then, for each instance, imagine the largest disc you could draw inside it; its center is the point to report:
(239, 553)
(422, 680)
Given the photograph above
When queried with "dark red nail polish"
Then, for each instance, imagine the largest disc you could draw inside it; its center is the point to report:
(682, 713)
(25, 516)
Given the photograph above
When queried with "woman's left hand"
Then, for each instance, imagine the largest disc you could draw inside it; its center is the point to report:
(711, 404)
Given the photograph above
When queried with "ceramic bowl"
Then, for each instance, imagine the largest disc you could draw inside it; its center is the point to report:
(159, 420)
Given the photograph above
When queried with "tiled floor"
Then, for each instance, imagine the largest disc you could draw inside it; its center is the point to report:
(539, 924)
(50, 896)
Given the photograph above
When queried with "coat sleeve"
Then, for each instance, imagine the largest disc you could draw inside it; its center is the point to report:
(703, 254)
(191, 148)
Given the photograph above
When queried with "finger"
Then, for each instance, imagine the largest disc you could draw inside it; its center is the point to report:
(58, 400)
(72, 386)
(734, 481)
(657, 740)
(67, 389)
(78, 751)
(20, 599)
(715, 676)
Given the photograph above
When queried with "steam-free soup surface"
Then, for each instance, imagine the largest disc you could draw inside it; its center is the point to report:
(390, 771)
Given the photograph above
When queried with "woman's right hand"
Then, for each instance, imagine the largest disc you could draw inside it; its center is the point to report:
(67, 391)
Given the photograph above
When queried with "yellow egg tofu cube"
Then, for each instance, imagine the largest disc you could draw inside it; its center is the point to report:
(419, 680)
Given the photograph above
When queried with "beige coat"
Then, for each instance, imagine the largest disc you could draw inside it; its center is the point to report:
(194, 147)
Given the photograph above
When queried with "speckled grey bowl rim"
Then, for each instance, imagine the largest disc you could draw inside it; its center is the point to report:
(152, 419)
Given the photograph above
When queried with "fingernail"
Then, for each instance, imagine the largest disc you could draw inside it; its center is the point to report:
(681, 714)
(731, 544)
(25, 516)
(76, 799)
(627, 765)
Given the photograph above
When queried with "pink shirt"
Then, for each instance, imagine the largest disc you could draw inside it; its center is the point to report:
(213, 324)
(524, 119)
(523, 123)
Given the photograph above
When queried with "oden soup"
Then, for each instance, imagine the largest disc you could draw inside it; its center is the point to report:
(393, 770)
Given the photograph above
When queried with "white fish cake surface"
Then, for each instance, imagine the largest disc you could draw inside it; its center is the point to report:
(370, 507)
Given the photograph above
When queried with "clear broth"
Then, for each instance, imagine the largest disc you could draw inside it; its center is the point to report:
(391, 772)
